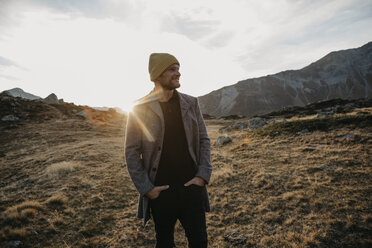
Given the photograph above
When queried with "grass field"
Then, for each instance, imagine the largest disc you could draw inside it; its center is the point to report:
(64, 184)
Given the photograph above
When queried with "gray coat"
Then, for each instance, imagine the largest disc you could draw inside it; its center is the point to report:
(144, 141)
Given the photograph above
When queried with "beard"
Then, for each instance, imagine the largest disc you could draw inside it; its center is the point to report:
(170, 85)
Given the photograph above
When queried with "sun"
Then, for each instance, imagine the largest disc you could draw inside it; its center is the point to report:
(127, 106)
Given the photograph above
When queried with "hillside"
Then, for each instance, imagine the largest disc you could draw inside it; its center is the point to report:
(18, 92)
(343, 74)
(64, 182)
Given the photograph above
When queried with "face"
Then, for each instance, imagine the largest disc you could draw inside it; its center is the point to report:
(170, 78)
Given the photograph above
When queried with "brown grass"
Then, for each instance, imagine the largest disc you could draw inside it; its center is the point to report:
(57, 200)
(25, 205)
(14, 234)
(282, 190)
(61, 168)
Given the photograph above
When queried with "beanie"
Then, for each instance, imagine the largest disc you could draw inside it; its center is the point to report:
(158, 62)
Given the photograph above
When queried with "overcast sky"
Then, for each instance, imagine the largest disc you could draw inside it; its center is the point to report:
(95, 52)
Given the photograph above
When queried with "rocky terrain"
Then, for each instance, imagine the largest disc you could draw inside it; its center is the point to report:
(299, 177)
(343, 74)
(18, 92)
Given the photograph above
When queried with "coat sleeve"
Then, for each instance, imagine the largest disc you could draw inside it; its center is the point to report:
(204, 166)
(133, 154)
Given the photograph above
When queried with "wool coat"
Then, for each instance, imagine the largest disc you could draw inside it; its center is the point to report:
(144, 141)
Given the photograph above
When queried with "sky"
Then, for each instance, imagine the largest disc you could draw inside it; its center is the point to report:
(95, 52)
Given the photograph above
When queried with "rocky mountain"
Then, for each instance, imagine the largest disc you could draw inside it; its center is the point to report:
(51, 99)
(16, 111)
(18, 92)
(345, 74)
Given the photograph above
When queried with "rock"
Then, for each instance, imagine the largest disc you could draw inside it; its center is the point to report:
(338, 109)
(123, 237)
(27, 181)
(231, 117)
(12, 243)
(208, 117)
(303, 131)
(256, 123)
(2, 154)
(61, 101)
(362, 113)
(10, 118)
(18, 92)
(82, 114)
(234, 237)
(325, 114)
(222, 140)
(351, 105)
(326, 167)
(4, 99)
(315, 146)
(14, 104)
(240, 125)
(345, 137)
(51, 99)
(224, 129)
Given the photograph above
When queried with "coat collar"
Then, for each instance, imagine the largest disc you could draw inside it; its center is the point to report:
(184, 103)
(152, 100)
(155, 107)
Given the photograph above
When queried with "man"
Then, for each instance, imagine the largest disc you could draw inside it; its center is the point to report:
(167, 152)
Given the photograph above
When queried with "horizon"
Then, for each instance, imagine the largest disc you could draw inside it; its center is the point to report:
(96, 53)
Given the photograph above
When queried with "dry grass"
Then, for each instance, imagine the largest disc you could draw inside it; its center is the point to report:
(61, 168)
(59, 200)
(64, 184)
(22, 207)
(14, 218)
(14, 234)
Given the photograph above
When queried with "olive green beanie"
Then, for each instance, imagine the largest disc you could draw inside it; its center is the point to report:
(158, 62)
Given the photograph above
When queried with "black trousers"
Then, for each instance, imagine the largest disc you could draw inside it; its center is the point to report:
(186, 205)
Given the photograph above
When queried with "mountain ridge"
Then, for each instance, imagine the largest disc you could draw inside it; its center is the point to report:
(345, 74)
(18, 92)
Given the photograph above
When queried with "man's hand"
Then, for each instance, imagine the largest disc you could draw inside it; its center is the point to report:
(197, 181)
(155, 192)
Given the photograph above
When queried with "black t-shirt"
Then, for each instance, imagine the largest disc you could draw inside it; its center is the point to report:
(176, 166)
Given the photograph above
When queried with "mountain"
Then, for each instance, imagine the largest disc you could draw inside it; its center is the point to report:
(16, 111)
(18, 92)
(345, 74)
(51, 99)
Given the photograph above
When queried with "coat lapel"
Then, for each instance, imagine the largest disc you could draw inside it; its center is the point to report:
(151, 100)
(185, 109)
(185, 106)
(155, 107)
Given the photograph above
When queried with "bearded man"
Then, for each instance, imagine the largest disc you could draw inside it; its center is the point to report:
(167, 151)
